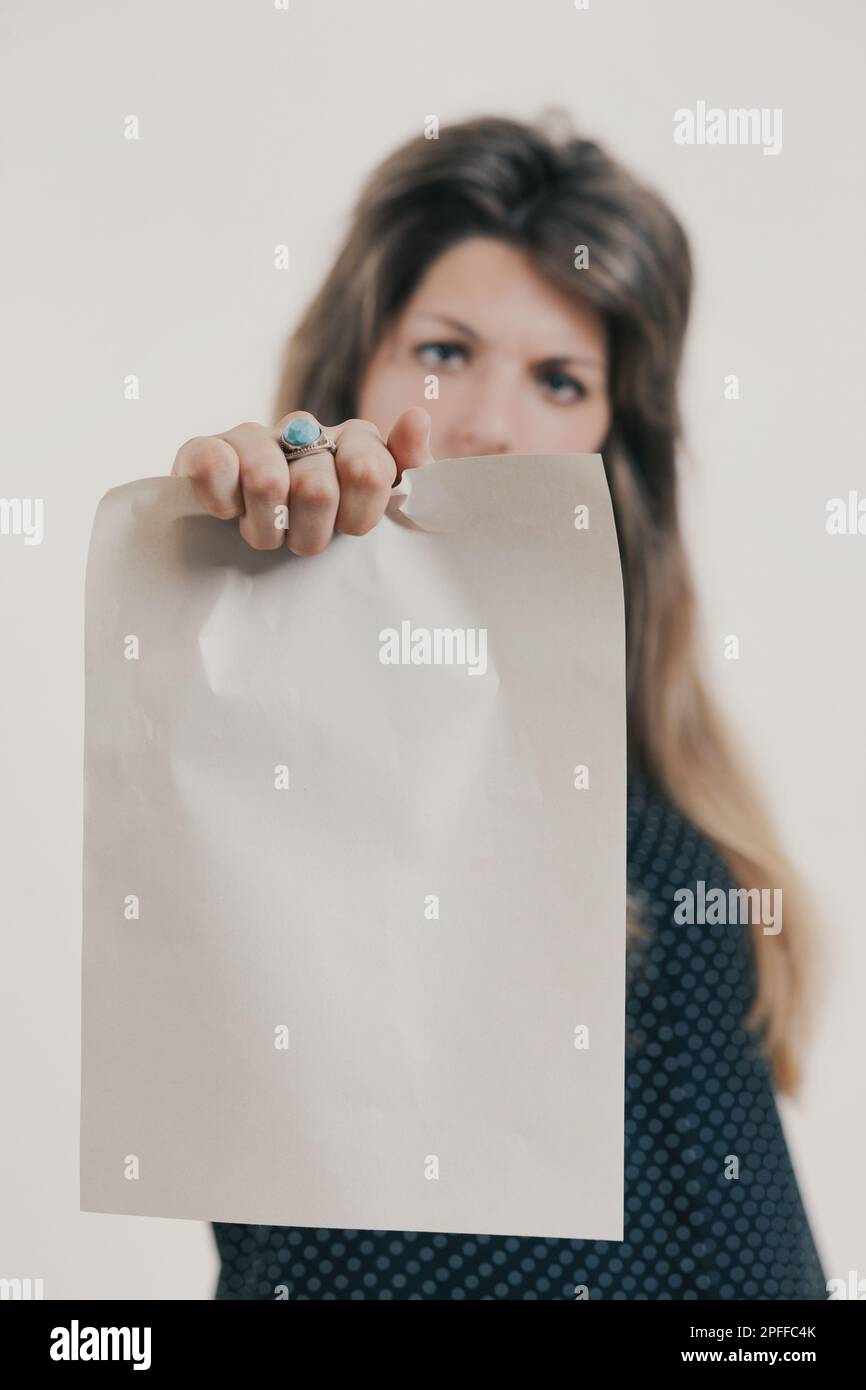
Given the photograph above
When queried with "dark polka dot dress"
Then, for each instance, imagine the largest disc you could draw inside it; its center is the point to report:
(698, 1089)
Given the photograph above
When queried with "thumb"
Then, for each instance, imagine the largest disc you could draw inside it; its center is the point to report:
(409, 440)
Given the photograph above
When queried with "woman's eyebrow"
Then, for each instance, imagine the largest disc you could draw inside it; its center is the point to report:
(454, 323)
(587, 361)
(554, 361)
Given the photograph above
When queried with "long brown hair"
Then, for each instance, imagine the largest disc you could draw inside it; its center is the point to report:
(541, 188)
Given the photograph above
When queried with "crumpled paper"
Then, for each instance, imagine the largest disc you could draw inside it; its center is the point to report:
(354, 924)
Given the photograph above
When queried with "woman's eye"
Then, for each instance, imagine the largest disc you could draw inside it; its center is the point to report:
(435, 354)
(563, 386)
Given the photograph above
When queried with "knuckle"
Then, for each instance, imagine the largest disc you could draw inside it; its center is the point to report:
(262, 482)
(364, 473)
(366, 425)
(203, 458)
(319, 494)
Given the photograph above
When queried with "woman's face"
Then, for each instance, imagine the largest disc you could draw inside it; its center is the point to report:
(520, 369)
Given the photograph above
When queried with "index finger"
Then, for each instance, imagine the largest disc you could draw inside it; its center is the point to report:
(213, 467)
(366, 470)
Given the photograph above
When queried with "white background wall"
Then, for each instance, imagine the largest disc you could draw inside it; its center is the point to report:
(155, 258)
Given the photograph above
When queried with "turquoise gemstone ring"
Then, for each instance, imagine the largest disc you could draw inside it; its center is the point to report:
(302, 437)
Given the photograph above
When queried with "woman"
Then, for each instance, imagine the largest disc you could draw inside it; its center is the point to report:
(508, 288)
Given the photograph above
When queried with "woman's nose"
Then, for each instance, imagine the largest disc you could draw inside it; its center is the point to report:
(482, 426)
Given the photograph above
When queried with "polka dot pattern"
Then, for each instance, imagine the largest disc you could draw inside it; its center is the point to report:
(699, 1094)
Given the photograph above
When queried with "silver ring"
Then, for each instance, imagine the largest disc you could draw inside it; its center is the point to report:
(299, 444)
